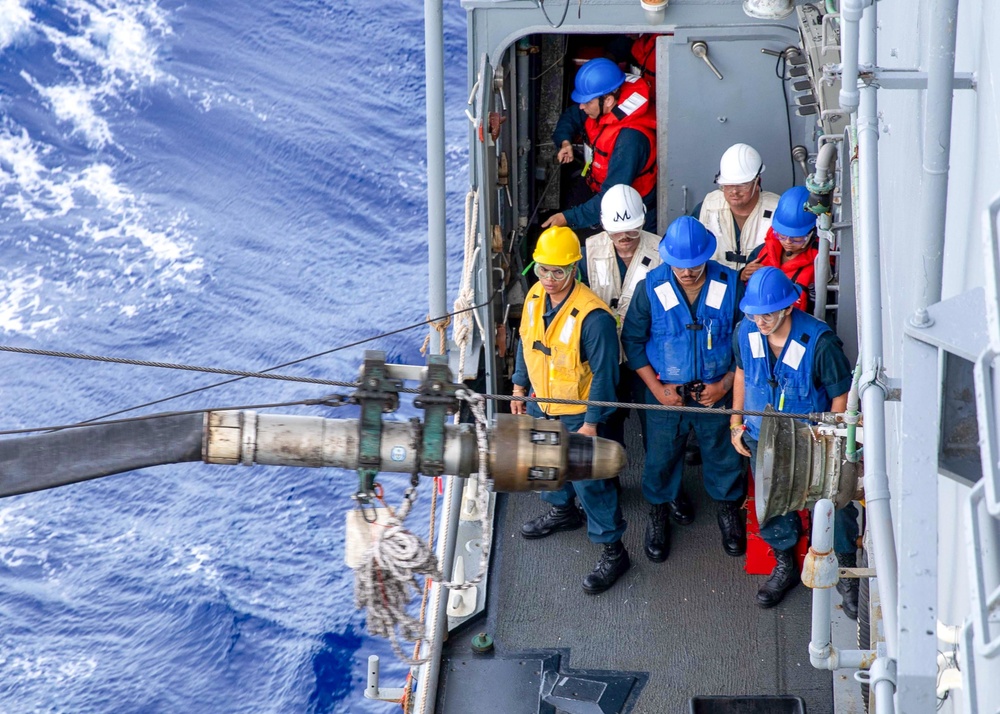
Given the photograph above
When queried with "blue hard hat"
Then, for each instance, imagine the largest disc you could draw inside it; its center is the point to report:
(687, 243)
(768, 290)
(595, 79)
(790, 215)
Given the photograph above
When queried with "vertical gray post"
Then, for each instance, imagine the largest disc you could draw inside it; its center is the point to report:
(437, 288)
(916, 669)
(936, 153)
(877, 496)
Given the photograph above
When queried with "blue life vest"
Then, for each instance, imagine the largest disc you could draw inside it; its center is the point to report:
(681, 347)
(788, 386)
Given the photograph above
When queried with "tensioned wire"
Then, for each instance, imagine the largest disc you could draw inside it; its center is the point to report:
(330, 400)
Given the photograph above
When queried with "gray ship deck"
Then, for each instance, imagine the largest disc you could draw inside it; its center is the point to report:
(689, 623)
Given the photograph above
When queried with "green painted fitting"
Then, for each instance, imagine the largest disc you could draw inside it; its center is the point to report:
(482, 643)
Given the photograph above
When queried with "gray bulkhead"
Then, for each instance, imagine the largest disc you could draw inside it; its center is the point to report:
(699, 116)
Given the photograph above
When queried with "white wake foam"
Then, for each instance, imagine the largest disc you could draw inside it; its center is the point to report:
(15, 22)
(77, 211)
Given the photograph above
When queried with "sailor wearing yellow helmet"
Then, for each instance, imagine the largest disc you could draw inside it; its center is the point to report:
(569, 350)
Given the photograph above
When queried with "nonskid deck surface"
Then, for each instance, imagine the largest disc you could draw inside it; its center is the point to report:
(690, 623)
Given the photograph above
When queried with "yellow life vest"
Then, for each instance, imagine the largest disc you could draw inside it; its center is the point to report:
(553, 355)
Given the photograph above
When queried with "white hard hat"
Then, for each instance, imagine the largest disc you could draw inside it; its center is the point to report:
(622, 209)
(741, 163)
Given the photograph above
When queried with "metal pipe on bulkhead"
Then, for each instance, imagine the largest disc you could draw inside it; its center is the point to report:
(524, 152)
(823, 181)
(437, 279)
(850, 18)
(873, 397)
(819, 573)
(936, 155)
(437, 620)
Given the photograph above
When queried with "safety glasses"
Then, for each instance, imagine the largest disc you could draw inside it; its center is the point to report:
(738, 187)
(798, 240)
(551, 272)
(768, 318)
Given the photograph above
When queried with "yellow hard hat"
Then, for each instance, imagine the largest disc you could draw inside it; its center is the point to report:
(557, 245)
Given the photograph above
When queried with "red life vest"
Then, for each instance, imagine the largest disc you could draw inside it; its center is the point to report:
(632, 112)
(800, 268)
(644, 54)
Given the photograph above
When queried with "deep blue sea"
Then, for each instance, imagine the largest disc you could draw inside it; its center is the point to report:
(233, 183)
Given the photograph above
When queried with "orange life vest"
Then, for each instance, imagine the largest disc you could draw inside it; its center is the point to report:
(634, 111)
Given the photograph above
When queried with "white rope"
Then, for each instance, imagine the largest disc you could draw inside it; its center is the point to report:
(477, 405)
(462, 330)
(397, 555)
(382, 582)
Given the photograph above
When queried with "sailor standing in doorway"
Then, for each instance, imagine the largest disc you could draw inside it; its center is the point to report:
(614, 262)
(569, 350)
(739, 213)
(678, 338)
(795, 363)
(615, 116)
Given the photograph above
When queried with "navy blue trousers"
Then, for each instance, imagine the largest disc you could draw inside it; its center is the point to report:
(605, 523)
(722, 468)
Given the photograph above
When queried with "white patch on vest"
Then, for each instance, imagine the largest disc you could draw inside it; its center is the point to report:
(756, 345)
(637, 274)
(567, 330)
(602, 277)
(630, 105)
(668, 298)
(793, 354)
(716, 292)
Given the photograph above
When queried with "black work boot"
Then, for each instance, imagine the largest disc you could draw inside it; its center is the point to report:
(848, 587)
(681, 509)
(559, 518)
(784, 577)
(658, 533)
(612, 565)
(733, 526)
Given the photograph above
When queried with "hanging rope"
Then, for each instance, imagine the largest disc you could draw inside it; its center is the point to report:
(383, 581)
(462, 332)
(442, 328)
(477, 405)
(397, 556)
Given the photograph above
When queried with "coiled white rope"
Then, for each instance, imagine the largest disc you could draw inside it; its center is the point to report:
(397, 555)
(382, 582)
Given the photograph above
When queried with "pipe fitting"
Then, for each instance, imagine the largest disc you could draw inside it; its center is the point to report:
(850, 19)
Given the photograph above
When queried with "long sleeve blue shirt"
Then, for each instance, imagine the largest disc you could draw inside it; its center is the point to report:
(598, 346)
(638, 326)
(627, 160)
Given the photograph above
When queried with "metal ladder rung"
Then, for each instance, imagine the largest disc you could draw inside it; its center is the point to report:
(984, 557)
(987, 405)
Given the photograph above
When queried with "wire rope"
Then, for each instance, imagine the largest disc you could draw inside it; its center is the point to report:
(280, 366)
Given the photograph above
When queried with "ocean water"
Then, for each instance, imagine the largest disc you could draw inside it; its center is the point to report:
(235, 183)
